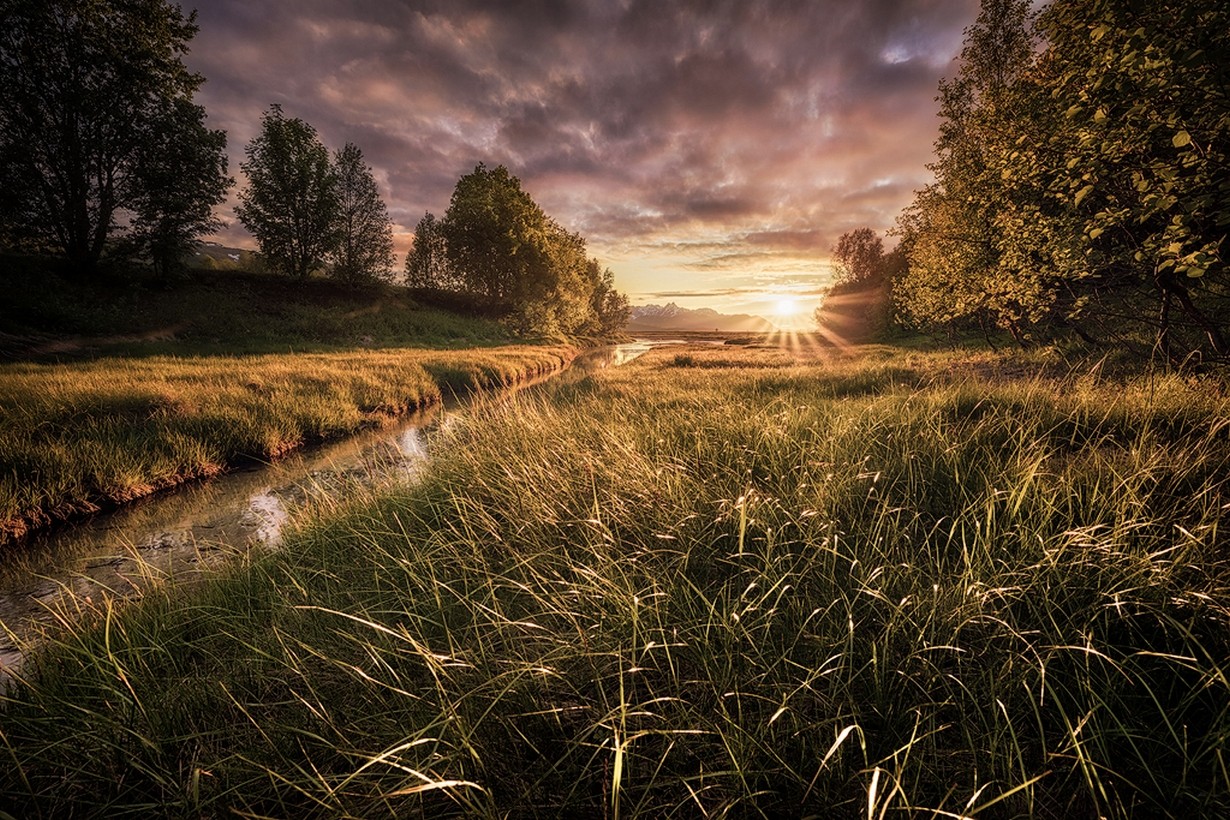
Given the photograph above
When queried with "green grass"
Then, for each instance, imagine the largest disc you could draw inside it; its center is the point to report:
(81, 436)
(48, 318)
(932, 585)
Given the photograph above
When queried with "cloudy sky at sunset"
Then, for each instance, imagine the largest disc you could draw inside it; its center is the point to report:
(710, 152)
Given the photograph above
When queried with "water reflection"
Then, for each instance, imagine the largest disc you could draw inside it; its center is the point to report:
(201, 525)
(267, 514)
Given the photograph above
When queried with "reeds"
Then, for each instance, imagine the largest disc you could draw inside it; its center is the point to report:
(853, 589)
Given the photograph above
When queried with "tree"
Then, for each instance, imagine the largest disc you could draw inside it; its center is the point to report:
(1127, 185)
(857, 306)
(178, 180)
(496, 236)
(503, 249)
(953, 274)
(609, 308)
(427, 264)
(291, 203)
(859, 255)
(90, 91)
(364, 249)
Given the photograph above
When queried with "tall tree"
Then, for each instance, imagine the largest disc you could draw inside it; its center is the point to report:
(88, 88)
(179, 178)
(496, 236)
(954, 252)
(291, 202)
(364, 249)
(427, 264)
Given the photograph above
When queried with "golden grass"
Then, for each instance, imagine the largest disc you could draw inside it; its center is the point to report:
(78, 437)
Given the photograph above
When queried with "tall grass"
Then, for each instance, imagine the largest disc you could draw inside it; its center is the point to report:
(80, 436)
(856, 589)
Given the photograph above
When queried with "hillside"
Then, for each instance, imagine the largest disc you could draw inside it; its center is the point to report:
(673, 317)
(216, 311)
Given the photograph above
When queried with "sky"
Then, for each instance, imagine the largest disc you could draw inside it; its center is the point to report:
(710, 152)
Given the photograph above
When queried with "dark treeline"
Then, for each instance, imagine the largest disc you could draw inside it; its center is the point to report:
(102, 150)
(106, 161)
(1081, 180)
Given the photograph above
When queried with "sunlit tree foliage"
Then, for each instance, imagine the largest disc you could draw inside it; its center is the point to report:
(1082, 183)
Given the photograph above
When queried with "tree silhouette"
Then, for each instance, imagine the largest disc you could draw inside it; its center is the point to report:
(91, 92)
(291, 203)
(364, 250)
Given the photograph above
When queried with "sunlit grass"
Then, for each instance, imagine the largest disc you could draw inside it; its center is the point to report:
(77, 436)
(715, 582)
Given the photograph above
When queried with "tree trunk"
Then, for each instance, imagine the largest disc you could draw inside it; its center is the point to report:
(1216, 340)
(1163, 325)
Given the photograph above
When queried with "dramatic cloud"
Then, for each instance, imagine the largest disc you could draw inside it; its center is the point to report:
(711, 150)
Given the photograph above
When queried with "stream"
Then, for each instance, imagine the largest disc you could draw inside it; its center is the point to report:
(177, 534)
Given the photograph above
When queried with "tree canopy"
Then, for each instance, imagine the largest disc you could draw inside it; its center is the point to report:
(856, 307)
(1082, 181)
(93, 93)
(291, 203)
(494, 243)
(364, 251)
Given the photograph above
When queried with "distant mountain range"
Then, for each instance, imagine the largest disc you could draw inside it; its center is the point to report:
(673, 317)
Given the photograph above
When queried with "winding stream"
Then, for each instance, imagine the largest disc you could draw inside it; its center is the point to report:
(201, 525)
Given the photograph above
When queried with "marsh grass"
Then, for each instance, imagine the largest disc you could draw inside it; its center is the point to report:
(79, 436)
(898, 586)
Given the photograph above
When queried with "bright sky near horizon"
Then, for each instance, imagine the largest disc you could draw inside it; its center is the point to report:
(710, 152)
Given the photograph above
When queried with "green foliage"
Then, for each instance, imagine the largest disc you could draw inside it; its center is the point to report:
(427, 264)
(1138, 157)
(291, 203)
(954, 275)
(501, 246)
(609, 309)
(1082, 186)
(364, 251)
(95, 111)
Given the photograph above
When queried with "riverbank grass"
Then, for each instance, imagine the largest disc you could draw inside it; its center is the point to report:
(729, 584)
(81, 436)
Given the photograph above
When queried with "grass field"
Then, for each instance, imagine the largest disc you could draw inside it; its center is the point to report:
(216, 313)
(80, 436)
(715, 582)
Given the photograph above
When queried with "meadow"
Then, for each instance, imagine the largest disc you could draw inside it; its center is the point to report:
(51, 318)
(714, 582)
(80, 436)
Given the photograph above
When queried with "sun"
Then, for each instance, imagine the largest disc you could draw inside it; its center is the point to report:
(787, 306)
